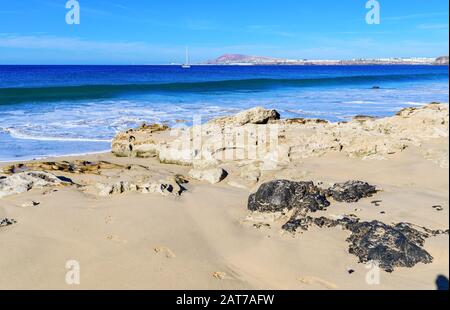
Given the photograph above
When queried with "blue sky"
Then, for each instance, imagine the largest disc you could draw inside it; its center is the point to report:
(156, 31)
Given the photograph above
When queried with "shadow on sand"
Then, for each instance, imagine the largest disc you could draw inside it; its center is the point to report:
(442, 283)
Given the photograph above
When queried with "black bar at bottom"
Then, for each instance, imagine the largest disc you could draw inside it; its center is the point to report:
(211, 299)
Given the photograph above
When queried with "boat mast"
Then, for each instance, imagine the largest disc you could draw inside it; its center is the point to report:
(187, 56)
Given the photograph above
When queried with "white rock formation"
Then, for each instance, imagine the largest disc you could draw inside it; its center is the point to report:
(213, 175)
(25, 181)
(256, 115)
(258, 136)
(163, 187)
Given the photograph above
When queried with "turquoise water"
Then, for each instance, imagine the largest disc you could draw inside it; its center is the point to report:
(61, 110)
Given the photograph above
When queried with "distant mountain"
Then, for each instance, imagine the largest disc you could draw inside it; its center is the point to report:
(443, 60)
(228, 59)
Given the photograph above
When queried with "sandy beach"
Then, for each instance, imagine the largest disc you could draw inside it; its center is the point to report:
(187, 233)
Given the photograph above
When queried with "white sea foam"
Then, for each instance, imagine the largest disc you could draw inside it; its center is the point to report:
(44, 157)
(312, 113)
(361, 102)
(24, 136)
(415, 103)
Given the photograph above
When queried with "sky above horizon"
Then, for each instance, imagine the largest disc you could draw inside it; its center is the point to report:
(157, 31)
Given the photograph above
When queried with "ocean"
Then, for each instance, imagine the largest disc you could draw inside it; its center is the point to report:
(67, 110)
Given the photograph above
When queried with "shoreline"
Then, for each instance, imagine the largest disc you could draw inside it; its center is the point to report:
(56, 157)
(132, 221)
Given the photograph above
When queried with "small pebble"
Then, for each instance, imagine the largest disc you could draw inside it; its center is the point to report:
(219, 275)
(377, 203)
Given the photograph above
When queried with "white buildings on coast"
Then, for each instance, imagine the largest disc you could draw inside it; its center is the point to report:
(237, 59)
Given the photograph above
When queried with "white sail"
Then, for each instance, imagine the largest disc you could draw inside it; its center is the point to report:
(186, 65)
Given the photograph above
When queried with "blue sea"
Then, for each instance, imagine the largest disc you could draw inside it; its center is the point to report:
(65, 110)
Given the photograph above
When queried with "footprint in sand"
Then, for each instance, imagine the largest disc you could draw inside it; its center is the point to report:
(310, 280)
(166, 251)
(109, 220)
(116, 238)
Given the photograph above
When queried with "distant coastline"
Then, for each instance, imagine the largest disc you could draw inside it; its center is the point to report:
(246, 60)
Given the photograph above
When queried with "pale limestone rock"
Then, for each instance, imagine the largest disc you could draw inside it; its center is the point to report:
(251, 172)
(205, 164)
(22, 182)
(162, 187)
(256, 115)
(237, 140)
(213, 176)
(138, 142)
(274, 160)
(175, 154)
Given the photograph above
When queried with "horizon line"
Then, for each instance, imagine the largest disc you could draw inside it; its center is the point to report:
(237, 63)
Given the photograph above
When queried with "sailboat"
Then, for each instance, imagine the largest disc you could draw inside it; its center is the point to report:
(186, 65)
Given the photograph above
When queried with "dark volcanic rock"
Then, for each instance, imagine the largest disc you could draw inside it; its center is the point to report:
(282, 194)
(351, 191)
(298, 222)
(6, 222)
(391, 246)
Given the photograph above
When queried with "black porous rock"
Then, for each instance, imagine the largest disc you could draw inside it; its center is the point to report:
(302, 222)
(400, 245)
(390, 246)
(351, 191)
(297, 222)
(279, 195)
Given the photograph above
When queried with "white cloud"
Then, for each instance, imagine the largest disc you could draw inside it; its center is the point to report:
(415, 16)
(76, 44)
(433, 27)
